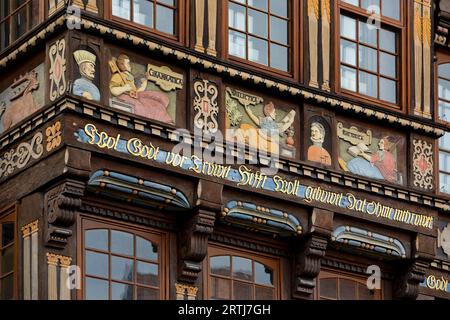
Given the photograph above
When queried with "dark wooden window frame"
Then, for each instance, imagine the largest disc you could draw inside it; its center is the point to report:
(272, 262)
(294, 12)
(9, 214)
(333, 274)
(181, 20)
(87, 222)
(400, 29)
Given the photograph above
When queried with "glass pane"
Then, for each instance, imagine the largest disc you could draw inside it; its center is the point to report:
(367, 34)
(122, 243)
(97, 264)
(388, 41)
(348, 78)
(388, 90)
(368, 59)
(260, 4)
(328, 288)
(370, 4)
(444, 161)
(444, 183)
(257, 50)
(7, 233)
(220, 265)
(444, 89)
(279, 57)
(147, 294)
(388, 65)
(279, 30)
(347, 289)
(96, 289)
(279, 7)
(264, 293)
(444, 111)
(444, 142)
(242, 291)
(391, 9)
(353, 2)
(237, 45)
(7, 287)
(257, 23)
(121, 8)
(165, 19)
(122, 269)
(7, 260)
(4, 34)
(263, 275)
(19, 23)
(4, 8)
(168, 2)
(146, 250)
(236, 16)
(143, 12)
(444, 70)
(348, 52)
(242, 268)
(121, 291)
(147, 273)
(368, 84)
(220, 288)
(97, 239)
(348, 27)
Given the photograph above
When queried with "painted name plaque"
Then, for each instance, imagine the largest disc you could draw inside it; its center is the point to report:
(244, 176)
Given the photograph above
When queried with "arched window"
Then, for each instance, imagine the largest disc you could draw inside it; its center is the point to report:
(121, 264)
(444, 114)
(234, 275)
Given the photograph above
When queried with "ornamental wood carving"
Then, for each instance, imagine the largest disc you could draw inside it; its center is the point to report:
(423, 165)
(205, 106)
(57, 72)
(408, 280)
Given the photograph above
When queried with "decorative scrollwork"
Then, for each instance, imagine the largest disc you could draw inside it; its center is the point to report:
(205, 104)
(57, 71)
(53, 134)
(19, 158)
(423, 164)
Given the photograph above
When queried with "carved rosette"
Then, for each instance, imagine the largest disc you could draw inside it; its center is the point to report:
(423, 164)
(308, 263)
(61, 204)
(57, 72)
(205, 106)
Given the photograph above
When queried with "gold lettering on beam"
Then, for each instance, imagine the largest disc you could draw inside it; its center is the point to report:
(165, 78)
(245, 99)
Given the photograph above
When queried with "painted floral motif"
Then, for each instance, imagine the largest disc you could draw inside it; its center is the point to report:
(53, 134)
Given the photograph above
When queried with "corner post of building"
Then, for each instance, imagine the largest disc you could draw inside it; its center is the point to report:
(194, 235)
(312, 248)
(413, 274)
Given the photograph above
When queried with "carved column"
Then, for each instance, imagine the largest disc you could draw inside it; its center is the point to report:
(64, 290)
(313, 22)
(52, 281)
(311, 250)
(196, 229)
(212, 27)
(61, 204)
(199, 25)
(418, 38)
(326, 30)
(426, 20)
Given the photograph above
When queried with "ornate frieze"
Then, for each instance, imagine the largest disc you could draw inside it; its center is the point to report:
(205, 106)
(423, 164)
(57, 71)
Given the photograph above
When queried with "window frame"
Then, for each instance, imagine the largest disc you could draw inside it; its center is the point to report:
(295, 55)
(181, 21)
(402, 54)
(341, 275)
(273, 262)
(87, 222)
(9, 214)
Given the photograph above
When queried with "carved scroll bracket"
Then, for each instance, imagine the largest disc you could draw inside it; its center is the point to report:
(196, 230)
(61, 204)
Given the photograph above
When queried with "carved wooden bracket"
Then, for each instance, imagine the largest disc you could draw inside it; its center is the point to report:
(407, 285)
(61, 204)
(196, 229)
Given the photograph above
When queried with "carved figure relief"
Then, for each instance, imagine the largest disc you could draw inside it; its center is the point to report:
(149, 92)
(57, 72)
(444, 239)
(84, 86)
(423, 164)
(259, 124)
(317, 152)
(205, 106)
(22, 98)
(374, 157)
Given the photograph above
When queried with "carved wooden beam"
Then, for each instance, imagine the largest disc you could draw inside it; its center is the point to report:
(196, 229)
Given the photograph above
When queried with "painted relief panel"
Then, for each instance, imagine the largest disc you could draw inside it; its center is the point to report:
(22, 98)
(443, 242)
(261, 123)
(87, 75)
(319, 150)
(144, 88)
(371, 152)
